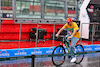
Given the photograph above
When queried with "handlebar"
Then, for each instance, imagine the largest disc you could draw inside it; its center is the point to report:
(64, 38)
(60, 36)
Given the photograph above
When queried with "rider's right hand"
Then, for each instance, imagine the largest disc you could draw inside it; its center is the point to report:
(57, 35)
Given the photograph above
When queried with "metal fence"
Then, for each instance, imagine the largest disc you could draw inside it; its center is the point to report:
(40, 23)
(47, 39)
(93, 32)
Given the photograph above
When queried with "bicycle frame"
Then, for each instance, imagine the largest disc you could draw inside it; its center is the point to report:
(65, 42)
(67, 47)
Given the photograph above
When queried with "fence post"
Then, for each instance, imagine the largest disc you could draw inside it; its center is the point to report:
(36, 35)
(0, 24)
(81, 33)
(20, 34)
(53, 33)
(14, 8)
(33, 61)
(92, 33)
(0, 16)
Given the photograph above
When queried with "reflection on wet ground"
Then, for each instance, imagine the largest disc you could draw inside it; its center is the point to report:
(90, 60)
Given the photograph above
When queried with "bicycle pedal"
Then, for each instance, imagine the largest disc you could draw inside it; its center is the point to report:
(69, 57)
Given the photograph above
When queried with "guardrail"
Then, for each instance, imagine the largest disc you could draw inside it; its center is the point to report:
(42, 56)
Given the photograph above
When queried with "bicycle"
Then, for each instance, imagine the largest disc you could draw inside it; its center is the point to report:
(61, 50)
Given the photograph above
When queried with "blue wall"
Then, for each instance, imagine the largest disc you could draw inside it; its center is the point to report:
(38, 51)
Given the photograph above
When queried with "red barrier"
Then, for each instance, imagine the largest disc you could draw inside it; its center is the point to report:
(10, 30)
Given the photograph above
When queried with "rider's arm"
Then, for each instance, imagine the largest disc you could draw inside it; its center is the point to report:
(60, 30)
(74, 32)
(64, 27)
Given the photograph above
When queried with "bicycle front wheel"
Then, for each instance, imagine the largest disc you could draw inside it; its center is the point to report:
(58, 60)
(79, 58)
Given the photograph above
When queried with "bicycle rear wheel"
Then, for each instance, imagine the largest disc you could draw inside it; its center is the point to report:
(79, 58)
(58, 60)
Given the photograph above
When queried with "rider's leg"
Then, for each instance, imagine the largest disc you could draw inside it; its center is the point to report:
(68, 40)
(68, 43)
(72, 50)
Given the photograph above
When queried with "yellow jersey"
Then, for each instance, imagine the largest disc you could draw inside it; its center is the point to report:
(72, 28)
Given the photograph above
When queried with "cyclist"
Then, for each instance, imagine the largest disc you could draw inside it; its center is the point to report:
(74, 36)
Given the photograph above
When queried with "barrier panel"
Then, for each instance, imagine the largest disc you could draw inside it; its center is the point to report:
(43, 56)
(38, 51)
